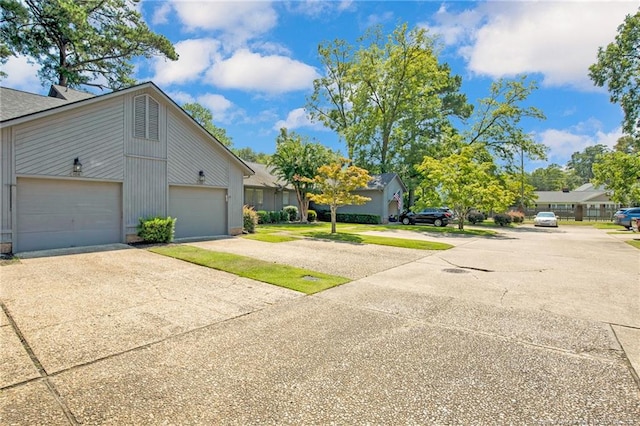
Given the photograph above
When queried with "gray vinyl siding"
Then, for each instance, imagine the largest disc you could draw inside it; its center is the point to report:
(189, 153)
(6, 186)
(145, 190)
(95, 135)
(236, 199)
(374, 206)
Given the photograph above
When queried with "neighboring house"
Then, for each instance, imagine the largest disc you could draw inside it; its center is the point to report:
(265, 191)
(585, 202)
(79, 170)
(385, 191)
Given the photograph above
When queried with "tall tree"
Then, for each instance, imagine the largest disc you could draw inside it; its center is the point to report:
(248, 154)
(582, 162)
(619, 172)
(496, 122)
(204, 117)
(464, 181)
(296, 161)
(81, 42)
(618, 67)
(387, 96)
(553, 178)
(335, 184)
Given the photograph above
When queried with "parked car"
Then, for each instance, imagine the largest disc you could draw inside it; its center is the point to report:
(546, 219)
(623, 216)
(438, 216)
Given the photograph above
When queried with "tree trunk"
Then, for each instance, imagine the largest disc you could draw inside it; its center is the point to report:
(333, 219)
(302, 206)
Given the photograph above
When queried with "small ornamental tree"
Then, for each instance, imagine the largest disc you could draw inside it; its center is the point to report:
(335, 184)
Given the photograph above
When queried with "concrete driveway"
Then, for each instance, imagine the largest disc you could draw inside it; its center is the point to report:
(535, 326)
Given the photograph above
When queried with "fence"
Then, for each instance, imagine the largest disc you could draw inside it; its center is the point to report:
(593, 214)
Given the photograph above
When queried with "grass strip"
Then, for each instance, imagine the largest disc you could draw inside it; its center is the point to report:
(634, 243)
(298, 279)
(383, 241)
(268, 237)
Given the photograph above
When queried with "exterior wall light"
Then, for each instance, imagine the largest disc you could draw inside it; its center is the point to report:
(201, 176)
(77, 166)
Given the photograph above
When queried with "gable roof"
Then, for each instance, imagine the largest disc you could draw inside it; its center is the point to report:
(379, 182)
(264, 177)
(72, 95)
(567, 197)
(22, 107)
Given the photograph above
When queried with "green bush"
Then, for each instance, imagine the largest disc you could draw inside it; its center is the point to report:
(373, 219)
(250, 219)
(516, 217)
(476, 217)
(312, 216)
(502, 219)
(263, 216)
(284, 216)
(157, 229)
(292, 211)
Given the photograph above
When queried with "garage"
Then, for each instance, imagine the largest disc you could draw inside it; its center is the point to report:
(199, 211)
(60, 213)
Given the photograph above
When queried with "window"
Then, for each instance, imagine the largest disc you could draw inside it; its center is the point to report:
(146, 122)
(285, 198)
(254, 197)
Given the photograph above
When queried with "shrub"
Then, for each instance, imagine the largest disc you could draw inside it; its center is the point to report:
(292, 211)
(157, 229)
(284, 216)
(374, 219)
(263, 216)
(250, 219)
(516, 217)
(311, 216)
(502, 219)
(476, 217)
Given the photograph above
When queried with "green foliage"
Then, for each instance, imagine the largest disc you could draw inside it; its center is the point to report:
(388, 97)
(292, 212)
(516, 217)
(502, 219)
(296, 162)
(249, 219)
(619, 172)
(156, 229)
(465, 181)
(618, 67)
(582, 162)
(204, 117)
(363, 218)
(312, 216)
(553, 178)
(248, 154)
(81, 42)
(475, 217)
(273, 216)
(263, 217)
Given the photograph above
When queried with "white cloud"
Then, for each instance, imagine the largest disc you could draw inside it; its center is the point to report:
(238, 21)
(319, 8)
(196, 56)
(21, 75)
(296, 119)
(271, 74)
(221, 108)
(161, 14)
(558, 39)
(564, 142)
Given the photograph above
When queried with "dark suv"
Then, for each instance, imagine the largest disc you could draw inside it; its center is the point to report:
(623, 217)
(438, 216)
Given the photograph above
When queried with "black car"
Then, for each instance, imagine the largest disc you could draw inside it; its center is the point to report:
(438, 216)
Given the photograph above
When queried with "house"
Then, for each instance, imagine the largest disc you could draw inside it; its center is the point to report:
(78, 169)
(385, 193)
(585, 202)
(265, 191)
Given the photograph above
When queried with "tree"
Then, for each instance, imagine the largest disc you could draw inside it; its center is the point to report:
(618, 67)
(495, 123)
(465, 181)
(582, 162)
(388, 98)
(619, 172)
(248, 154)
(553, 178)
(204, 117)
(335, 184)
(81, 42)
(296, 161)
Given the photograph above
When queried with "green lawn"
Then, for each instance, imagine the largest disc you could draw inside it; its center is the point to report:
(383, 241)
(269, 237)
(298, 279)
(634, 243)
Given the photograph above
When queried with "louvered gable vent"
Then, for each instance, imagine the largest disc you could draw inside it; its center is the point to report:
(147, 118)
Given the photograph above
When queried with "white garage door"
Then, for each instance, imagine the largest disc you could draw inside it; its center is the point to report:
(200, 212)
(67, 213)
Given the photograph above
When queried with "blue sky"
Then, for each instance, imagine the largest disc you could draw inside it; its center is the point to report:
(252, 63)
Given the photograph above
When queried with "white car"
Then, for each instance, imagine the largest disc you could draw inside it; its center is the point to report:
(546, 219)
